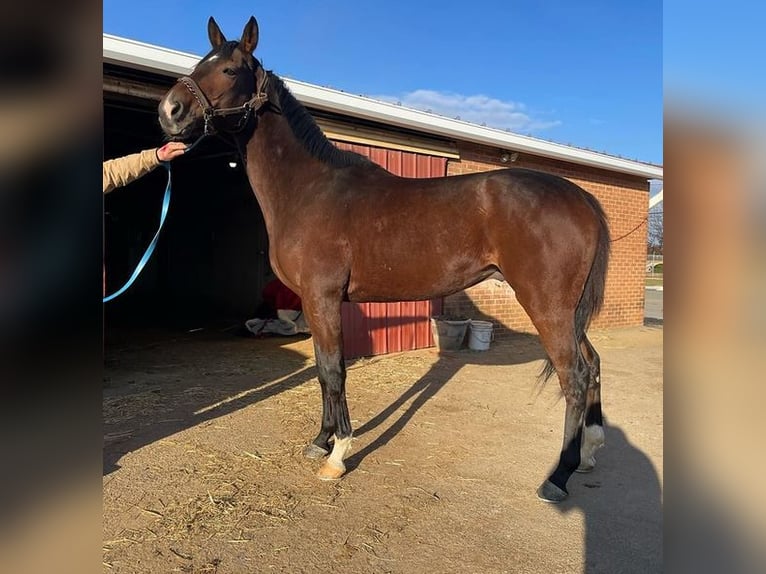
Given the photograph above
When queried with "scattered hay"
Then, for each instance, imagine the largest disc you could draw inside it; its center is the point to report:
(237, 496)
(117, 410)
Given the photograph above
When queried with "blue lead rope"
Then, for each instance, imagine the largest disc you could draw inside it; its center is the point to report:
(150, 249)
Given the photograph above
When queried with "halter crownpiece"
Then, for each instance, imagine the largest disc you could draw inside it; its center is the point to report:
(259, 99)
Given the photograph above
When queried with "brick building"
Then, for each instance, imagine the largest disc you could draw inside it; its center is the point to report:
(212, 262)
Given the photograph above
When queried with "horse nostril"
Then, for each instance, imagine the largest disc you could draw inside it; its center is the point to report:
(171, 109)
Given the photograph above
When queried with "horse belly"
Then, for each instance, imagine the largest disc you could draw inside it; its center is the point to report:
(418, 276)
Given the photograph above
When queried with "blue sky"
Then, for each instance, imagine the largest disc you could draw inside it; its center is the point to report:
(714, 56)
(583, 73)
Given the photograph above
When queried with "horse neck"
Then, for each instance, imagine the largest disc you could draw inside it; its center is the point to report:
(287, 155)
(278, 167)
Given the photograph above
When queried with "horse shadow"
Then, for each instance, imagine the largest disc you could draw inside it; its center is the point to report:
(622, 511)
(623, 514)
(624, 521)
(162, 381)
(526, 348)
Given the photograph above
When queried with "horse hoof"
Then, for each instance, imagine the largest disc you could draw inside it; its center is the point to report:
(586, 466)
(315, 452)
(549, 492)
(330, 472)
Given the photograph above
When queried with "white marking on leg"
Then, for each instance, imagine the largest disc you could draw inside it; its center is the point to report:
(339, 451)
(592, 440)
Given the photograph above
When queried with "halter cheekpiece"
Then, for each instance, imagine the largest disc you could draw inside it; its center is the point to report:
(259, 99)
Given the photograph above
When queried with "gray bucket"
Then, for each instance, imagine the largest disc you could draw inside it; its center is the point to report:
(448, 333)
(480, 336)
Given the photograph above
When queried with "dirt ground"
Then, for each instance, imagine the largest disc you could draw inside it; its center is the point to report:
(203, 469)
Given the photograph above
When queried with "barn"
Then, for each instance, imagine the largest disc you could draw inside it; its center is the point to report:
(211, 262)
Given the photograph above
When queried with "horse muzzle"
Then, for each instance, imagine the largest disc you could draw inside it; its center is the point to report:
(176, 116)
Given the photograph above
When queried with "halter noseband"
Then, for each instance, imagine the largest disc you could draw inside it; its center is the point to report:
(259, 99)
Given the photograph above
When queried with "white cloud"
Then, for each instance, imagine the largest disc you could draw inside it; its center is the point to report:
(477, 109)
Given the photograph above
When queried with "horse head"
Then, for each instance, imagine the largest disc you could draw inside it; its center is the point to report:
(223, 92)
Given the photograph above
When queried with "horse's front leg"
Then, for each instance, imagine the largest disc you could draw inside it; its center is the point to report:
(323, 315)
(321, 446)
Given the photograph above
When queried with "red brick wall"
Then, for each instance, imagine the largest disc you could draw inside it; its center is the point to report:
(625, 199)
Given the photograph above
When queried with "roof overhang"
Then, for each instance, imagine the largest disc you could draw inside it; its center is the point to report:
(172, 63)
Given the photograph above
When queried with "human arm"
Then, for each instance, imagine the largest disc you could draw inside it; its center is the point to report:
(123, 170)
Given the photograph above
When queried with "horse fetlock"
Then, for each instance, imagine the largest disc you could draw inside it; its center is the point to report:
(592, 440)
(333, 468)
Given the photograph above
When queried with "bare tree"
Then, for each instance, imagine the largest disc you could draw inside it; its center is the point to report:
(655, 232)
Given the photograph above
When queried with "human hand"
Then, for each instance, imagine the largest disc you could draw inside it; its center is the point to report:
(171, 151)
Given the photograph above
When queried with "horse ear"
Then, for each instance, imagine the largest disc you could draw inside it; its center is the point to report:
(214, 33)
(249, 36)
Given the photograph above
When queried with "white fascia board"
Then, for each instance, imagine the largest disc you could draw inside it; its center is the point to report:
(392, 114)
(147, 57)
(173, 63)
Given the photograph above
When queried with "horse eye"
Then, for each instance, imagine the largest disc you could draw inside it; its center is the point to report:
(230, 72)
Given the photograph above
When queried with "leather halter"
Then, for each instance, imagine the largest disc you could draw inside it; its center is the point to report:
(259, 99)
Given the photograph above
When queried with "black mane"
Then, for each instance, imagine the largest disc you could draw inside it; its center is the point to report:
(307, 131)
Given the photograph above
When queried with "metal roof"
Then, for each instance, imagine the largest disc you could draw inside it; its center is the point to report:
(172, 63)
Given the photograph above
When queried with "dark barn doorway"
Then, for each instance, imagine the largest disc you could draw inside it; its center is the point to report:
(211, 261)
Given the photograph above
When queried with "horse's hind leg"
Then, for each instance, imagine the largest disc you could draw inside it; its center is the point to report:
(593, 426)
(325, 321)
(556, 331)
(572, 372)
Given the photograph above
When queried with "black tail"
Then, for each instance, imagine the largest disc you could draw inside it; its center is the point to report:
(592, 298)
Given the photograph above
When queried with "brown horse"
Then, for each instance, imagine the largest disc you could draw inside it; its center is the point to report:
(343, 229)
